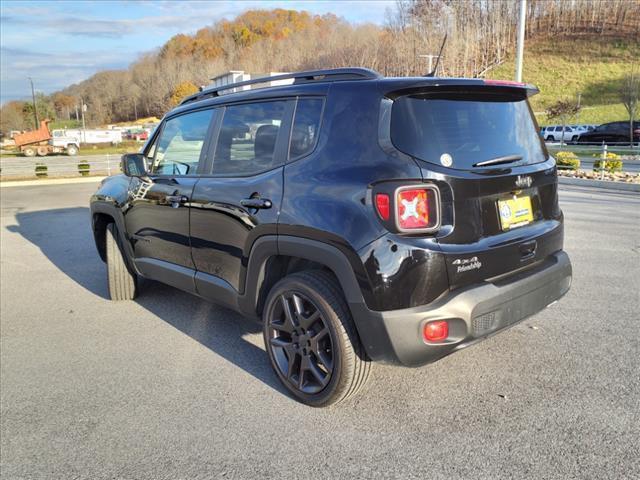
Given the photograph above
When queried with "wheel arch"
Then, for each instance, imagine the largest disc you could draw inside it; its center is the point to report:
(102, 214)
(274, 257)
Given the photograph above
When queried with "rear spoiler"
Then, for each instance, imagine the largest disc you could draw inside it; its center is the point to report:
(397, 87)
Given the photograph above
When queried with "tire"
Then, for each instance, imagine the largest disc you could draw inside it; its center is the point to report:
(122, 282)
(318, 334)
(29, 152)
(550, 138)
(42, 151)
(72, 150)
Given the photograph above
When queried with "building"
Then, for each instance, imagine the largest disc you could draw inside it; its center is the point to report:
(235, 76)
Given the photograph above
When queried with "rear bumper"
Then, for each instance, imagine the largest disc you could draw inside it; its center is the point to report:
(473, 313)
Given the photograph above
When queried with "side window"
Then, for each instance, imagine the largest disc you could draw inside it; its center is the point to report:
(558, 129)
(306, 126)
(177, 149)
(247, 139)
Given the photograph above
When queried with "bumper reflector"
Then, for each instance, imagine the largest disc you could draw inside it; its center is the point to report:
(435, 331)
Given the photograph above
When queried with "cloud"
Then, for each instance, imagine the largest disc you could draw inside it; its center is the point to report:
(53, 72)
(79, 27)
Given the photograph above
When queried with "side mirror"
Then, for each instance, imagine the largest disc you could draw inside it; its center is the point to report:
(134, 165)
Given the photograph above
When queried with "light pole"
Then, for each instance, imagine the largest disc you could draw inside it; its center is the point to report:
(35, 108)
(520, 46)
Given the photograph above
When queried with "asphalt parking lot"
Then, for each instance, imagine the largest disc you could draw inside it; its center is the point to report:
(170, 386)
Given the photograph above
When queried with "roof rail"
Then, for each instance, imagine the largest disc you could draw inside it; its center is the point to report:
(329, 75)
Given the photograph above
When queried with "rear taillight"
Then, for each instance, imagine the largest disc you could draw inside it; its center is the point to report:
(383, 206)
(413, 209)
(417, 208)
(409, 208)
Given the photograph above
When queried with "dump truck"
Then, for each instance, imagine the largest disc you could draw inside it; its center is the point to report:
(40, 142)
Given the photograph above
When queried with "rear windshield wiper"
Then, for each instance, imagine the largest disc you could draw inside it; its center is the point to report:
(499, 160)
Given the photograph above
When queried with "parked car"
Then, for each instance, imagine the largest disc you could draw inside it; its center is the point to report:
(553, 133)
(611, 133)
(580, 129)
(359, 218)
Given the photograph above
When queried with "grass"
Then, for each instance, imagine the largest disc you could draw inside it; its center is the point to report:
(104, 148)
(563, 67)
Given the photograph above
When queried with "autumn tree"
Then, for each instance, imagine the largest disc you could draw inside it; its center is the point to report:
(180, 91)
(12, 117)
(63, 104)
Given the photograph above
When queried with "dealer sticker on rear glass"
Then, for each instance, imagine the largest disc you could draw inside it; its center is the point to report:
(446, 160)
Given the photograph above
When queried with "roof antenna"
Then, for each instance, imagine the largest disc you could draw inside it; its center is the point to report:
(432, 73)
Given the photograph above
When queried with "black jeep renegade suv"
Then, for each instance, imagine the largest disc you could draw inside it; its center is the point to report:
(359, 217)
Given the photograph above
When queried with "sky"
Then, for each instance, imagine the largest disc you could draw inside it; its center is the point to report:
(58, 43)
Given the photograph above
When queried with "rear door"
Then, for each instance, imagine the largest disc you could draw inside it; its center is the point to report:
(497, 183)
(157, 217)
(239, 200)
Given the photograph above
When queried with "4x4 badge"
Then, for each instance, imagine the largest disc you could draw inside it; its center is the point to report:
(466, 264)
(523, 181)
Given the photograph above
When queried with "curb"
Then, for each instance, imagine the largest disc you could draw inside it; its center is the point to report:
(607, 185)
(49, 181)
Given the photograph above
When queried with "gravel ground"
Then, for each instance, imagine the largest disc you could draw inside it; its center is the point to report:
(171, 387)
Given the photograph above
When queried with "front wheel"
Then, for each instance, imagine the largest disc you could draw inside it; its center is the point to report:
(311, 340)
(72, 150)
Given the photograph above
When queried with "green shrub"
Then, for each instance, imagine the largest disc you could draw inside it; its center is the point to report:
(612, 164)
(567, 161)
(41, 170)
(84, 168)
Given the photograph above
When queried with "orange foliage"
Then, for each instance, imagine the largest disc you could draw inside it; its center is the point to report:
(245, 30)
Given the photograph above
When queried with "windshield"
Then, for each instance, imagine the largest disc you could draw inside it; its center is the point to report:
(462, 130)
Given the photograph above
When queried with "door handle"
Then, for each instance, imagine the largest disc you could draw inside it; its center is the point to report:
(176, 200)
(256, 203)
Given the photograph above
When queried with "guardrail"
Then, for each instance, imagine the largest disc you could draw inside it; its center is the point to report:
(14, 168)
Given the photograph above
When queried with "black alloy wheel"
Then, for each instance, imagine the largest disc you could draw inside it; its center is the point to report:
(311, 339)
(300, 342)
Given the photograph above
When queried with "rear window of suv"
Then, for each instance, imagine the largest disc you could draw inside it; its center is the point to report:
(460, 130)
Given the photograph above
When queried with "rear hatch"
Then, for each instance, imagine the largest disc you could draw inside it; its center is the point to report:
(498, 186)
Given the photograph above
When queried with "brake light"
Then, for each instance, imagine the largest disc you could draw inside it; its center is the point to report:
(507, 83)
(416, 208)
(383, 206)
(435, 331)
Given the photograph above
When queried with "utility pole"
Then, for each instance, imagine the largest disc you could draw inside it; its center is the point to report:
(83, 108)
(135, 108)
(35, 108)
(430, 57)
(520, 46)
(578, 113)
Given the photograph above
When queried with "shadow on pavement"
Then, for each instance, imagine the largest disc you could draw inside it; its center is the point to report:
(64, 236)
